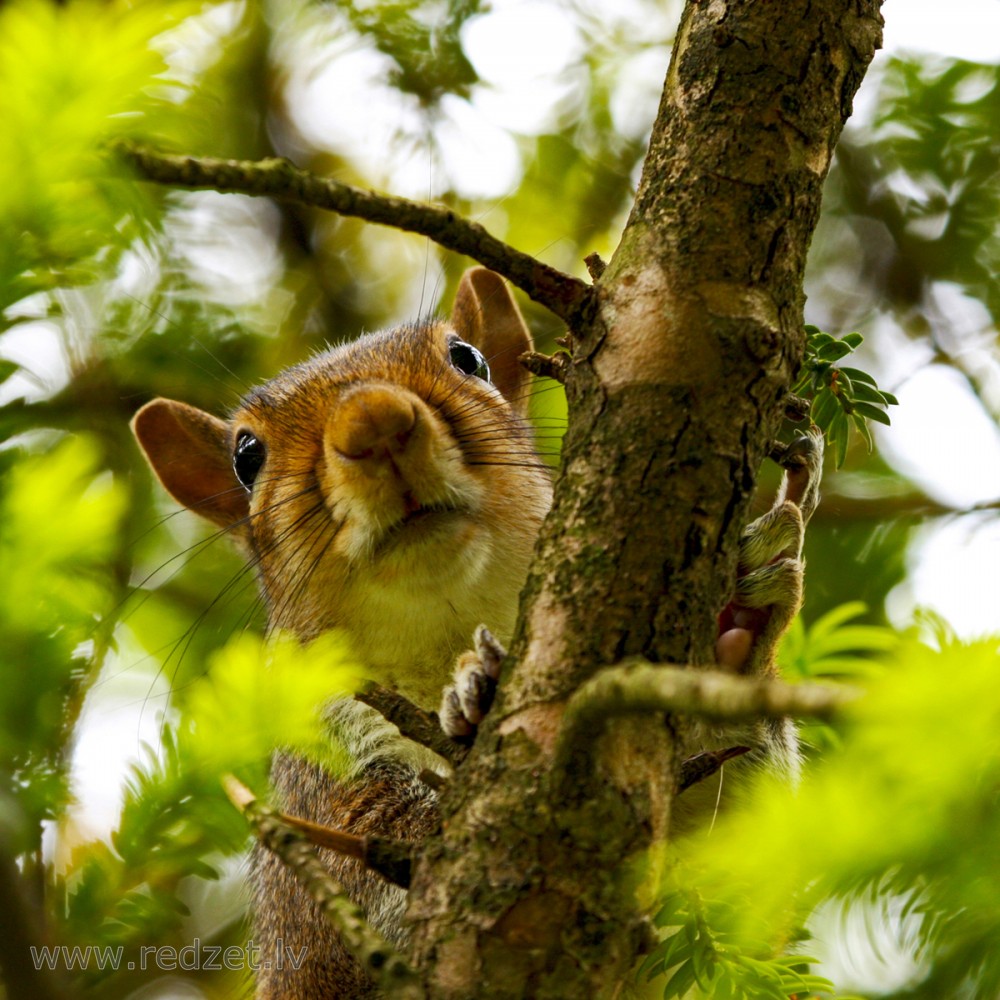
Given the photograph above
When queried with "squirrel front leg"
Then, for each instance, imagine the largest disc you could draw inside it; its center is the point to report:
(770, 573)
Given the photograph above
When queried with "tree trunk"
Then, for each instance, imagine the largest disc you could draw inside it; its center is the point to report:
(675, 393)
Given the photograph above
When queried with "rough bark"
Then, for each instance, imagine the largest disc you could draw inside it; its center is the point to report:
(676, 390)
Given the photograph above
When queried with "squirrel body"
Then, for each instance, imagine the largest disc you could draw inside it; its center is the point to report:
(390, 488)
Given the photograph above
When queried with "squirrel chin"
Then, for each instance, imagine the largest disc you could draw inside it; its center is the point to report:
(423, 532)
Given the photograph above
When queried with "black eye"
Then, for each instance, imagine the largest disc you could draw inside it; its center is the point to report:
(248, 458)
(468, 360)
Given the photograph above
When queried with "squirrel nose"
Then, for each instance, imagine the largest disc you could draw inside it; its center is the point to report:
(372, 422)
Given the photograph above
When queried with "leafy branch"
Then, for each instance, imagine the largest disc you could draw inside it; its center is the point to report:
(701, 953)
(840, 395)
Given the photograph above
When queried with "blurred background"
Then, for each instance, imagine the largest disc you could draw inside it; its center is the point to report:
(529, 116)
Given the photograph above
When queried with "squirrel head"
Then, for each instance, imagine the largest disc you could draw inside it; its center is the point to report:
(388, 486)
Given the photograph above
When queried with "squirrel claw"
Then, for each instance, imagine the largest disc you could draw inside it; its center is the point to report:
(469, 697)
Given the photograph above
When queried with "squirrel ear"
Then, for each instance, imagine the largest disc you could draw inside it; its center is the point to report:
(486, 315)
(189, 452)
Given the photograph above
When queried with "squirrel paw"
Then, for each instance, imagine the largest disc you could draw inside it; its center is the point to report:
(468, 698)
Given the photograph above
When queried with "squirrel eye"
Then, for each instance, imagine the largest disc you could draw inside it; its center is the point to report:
(248, 457)
(468, 360)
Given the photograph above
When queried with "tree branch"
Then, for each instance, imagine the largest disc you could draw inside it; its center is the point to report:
(677, 387)
(386, 967)
(639, 687)
(413, 722)
(703, 765)
(392, 859)
(564, 295)
(554, 366)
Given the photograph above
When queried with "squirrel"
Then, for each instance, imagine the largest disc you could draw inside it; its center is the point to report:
(389, 487)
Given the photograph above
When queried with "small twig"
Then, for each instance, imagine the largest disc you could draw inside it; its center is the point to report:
(796, 408)
(554, 366)
(640, 687)
(386, 967)
(413, 722)
(595, 266)
(703, 765)
(564, 295)
(392, 859)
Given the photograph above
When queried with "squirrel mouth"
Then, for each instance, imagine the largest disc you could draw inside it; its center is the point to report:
(414, 510)
(418, 522)
(421, 512)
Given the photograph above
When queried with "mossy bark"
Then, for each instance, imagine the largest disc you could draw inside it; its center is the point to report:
(675, 393)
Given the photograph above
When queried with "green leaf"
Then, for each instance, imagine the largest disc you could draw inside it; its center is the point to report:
(677, 948)
(652, 966)
(840, 436)
(820, 369)
(867, 638)
(819, 339)
(862, 426)
(872, 412)
(280, 687)
(844, 383)
(846, 667)
(836, 617)
(834, 351)
(672, 912)
(857, 375)
(824, 408)
(866, 393)
(71, 77)
(680, 982)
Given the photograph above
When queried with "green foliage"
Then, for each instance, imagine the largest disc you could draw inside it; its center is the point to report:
(840, 395)
(712, 950)
(72, 77)
(906, 809)
(176, 822)
(277, 688)
(831, 648)
(704, 955)
(425, 46)
(58, 518)
(937, 135)
(834, 648)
